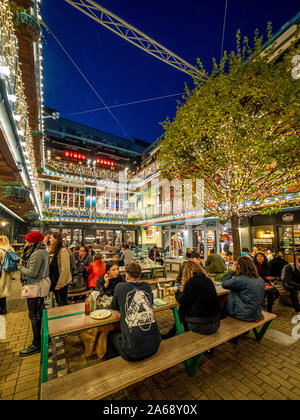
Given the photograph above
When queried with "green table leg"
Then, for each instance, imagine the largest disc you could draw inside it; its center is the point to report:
(44, 349)
(165, 272)
(177, 320)
(260, 334)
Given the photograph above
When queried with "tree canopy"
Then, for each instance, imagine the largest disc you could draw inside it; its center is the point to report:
(238, 129)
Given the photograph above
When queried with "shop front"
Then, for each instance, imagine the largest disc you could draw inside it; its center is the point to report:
(112, 236)
(177, 238)
(280, 232)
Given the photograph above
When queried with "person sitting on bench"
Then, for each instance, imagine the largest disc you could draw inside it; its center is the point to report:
(154, 255)
(291, 282)
(199, 303)
(107, 282)
(247, 290)
(139, 337)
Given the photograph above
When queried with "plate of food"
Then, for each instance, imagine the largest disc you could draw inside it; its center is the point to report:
(100, 314)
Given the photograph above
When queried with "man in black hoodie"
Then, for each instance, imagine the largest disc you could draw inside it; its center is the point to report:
(139, 337)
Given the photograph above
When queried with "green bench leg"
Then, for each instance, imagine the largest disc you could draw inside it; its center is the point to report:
(44, 349)
(192, 365)
(260, 334)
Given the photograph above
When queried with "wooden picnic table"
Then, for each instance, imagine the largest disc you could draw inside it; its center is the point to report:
(72, 319)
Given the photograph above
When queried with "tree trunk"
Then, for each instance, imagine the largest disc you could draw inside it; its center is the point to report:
(235, 236)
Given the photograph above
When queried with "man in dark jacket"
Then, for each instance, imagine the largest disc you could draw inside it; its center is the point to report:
(214, 263)
(277, 264)
(292, 282)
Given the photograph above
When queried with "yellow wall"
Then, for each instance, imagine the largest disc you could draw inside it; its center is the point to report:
(156, 239)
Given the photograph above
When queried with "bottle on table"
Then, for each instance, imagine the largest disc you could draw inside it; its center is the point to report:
(87, 305)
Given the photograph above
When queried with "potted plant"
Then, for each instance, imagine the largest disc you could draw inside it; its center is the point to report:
(25, 23)
(132, 219)
(48, 214)
(15, 191)
(31, 216)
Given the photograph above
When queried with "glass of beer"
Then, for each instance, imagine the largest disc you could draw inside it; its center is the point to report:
(172, 292)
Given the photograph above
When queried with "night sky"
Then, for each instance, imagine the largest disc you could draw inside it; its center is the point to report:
(122, 73)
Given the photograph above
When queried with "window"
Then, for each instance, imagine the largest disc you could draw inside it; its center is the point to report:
(67, 197)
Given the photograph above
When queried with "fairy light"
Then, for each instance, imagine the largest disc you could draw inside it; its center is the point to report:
(16, 95)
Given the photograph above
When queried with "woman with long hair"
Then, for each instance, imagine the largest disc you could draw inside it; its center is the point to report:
(247, 290)
(199, 308)
(107, 282)
(5, 277)
(34, 268)
(264, 270)
(60, 271)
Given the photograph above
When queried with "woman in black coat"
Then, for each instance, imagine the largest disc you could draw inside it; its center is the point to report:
(199, 308)
(264, 271)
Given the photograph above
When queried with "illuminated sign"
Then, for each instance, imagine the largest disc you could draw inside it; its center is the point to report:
(75, 155)
(105, 162)
(80, 157)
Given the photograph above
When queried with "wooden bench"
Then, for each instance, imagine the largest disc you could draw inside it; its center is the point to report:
(99, 381)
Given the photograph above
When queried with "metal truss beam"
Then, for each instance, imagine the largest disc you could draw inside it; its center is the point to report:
(133, 35)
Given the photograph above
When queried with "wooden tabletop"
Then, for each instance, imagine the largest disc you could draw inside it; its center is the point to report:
(145, 268)
(76, 321)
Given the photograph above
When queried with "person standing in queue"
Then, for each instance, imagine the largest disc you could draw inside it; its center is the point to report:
(60, 268)
(33, 268)
(5, 277)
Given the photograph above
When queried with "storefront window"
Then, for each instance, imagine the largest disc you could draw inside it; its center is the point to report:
(77, 236)
(226, 244)
(109, 237)
(118, 237)
(263, 238)
(100, 237)
(166, 241)
(289, 239)
(130, 236)
(200, 241)
(210, 240)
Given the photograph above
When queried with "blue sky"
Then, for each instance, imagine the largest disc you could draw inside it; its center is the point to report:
(122, 73)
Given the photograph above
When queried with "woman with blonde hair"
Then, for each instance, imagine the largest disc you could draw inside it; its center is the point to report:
(199, 308)
(5, 277)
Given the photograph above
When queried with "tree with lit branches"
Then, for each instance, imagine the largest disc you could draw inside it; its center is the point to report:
(238, 129)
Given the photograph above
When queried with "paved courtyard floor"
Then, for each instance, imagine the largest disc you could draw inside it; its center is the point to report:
(269, 370)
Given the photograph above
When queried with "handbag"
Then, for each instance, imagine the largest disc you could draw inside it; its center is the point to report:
(40, 289)
(30, 291)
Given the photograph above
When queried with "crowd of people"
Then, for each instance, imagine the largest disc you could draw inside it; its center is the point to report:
(200, 308)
